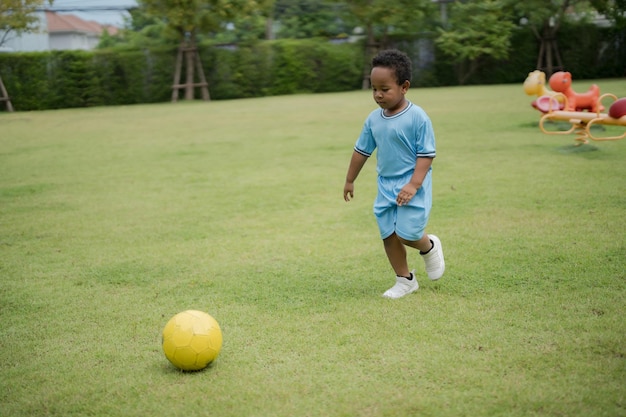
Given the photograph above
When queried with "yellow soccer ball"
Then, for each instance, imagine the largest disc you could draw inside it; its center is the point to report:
(191, 340)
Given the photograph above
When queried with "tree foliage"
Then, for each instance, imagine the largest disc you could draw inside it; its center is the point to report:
(614, 10)
(301, 19)
(187, 18)
(541, 14)
(544, 19)
(476, 30)
(18, 16)
(380, 18)
(141, 31)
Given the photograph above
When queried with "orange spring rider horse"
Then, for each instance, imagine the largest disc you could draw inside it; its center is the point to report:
(561, 82)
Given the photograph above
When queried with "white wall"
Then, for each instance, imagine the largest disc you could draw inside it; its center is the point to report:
(29, 42)
(43, 41)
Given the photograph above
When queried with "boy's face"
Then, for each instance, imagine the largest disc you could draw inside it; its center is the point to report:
(387, 93)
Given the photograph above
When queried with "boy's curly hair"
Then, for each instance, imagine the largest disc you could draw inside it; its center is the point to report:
(396, 60)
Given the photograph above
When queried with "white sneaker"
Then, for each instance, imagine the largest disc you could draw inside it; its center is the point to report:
(435, 265)
(402, 287)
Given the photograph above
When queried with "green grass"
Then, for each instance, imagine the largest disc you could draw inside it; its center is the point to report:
(112, 220)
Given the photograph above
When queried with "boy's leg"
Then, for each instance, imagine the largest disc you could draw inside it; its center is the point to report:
(423, 245)
(432, 253)
(396, 253)
(405, 279)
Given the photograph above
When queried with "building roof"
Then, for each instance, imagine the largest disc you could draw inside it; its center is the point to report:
(70, 23)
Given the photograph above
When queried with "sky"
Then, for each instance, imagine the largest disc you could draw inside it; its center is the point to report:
(92, 10)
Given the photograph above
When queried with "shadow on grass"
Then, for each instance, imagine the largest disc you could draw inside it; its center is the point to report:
(532, 125)
(167, 368)
(576, 148)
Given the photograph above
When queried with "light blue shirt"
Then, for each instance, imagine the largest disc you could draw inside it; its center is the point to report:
(399, 140)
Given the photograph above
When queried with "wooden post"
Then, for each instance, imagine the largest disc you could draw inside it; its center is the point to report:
(189, 77)
(4, 96)
(203, 81)
(179, 64)
(188, 53)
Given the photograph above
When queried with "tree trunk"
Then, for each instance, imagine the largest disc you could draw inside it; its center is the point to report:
(370, 50)
(4, 96)
(189, 55)
(465, 69)
(269, 29)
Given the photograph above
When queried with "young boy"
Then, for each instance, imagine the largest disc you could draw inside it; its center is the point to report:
(403, 136)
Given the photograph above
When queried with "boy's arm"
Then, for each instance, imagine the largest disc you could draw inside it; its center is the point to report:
(409, 190)
(356, 164)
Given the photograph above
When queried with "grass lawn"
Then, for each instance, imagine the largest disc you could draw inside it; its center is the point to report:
(114, 219)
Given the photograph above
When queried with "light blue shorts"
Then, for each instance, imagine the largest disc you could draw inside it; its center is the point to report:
(408, 221)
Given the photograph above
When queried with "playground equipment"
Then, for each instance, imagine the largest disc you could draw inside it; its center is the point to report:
(582, 121)
(561, 82)
(535, 85)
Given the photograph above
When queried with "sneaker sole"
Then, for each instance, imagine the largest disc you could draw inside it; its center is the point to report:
(403, 295)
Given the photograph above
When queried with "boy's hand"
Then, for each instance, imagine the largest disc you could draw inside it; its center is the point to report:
(406, 194)
(348, 191)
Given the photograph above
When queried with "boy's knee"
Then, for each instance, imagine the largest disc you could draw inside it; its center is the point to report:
(409, 241)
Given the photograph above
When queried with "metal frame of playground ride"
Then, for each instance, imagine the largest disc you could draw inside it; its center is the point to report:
(581, 121)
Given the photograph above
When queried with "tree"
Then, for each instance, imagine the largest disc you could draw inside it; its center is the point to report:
(380, 18)
(309, 18)
(544, 18)
(474, 31)
(140, 31)
(186, 19)
(18, 16)
(256, 24)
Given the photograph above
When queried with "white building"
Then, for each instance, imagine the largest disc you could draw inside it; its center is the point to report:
(59, 32)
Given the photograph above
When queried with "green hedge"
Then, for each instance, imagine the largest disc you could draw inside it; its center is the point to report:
(281, 67)
(62, 79)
